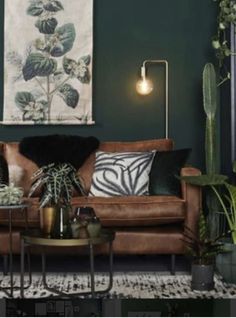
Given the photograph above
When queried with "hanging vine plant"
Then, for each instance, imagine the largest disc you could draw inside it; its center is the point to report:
(221, 42)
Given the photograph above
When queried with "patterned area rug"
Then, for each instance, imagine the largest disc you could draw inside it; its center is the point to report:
(126, 285)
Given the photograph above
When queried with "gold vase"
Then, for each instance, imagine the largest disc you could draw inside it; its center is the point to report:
(47, 219)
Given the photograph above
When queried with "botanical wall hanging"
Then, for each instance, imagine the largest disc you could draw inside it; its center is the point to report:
(48, 62)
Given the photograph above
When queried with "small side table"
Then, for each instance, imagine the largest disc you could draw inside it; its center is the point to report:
(36, 238)
(23, 208)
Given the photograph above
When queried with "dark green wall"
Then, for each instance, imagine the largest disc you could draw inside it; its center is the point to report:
(125, 33)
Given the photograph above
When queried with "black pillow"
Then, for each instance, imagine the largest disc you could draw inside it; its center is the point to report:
(44, 150)
(166, 166)
(4, 172)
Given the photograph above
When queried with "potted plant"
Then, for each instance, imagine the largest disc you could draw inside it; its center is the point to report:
(203, 251)
(225, 192)
(57, 182)
(10, 195)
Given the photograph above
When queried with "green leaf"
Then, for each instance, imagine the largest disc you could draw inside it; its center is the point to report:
(65, 37)
(206, 180)
(38, 65)
(69, 65)
(36, 111)
(234, 166)
(86, 78)
(35, 9)
(83, 73)
(46, 26)
(202, 227)
(53, 6)
(69, 95)
(86, 59)
(23, 99)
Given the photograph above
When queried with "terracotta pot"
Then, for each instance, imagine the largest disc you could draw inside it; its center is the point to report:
(47, 219)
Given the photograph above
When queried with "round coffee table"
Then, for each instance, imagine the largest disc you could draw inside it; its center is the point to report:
(36, 238)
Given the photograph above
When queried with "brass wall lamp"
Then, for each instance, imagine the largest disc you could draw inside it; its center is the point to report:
(145, 86)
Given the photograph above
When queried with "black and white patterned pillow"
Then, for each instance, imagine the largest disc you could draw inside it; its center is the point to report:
(121, 174)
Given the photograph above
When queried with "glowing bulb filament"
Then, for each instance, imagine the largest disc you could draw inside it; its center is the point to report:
(144, 86)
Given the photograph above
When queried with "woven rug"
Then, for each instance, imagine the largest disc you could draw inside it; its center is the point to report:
(125, 285)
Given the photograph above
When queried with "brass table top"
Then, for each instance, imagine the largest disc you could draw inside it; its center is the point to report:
(35, 237)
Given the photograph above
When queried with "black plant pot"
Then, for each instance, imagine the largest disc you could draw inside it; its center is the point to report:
(202, 277)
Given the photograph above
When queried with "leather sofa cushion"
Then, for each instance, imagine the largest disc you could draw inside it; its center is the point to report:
(135, 210)
(117, 211)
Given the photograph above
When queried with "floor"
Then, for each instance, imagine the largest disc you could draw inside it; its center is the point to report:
(56, 263)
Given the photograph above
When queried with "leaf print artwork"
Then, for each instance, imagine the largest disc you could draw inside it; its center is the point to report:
(49, 71)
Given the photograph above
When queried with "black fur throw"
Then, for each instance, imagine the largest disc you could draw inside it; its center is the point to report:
(4, 173)
(44, 150)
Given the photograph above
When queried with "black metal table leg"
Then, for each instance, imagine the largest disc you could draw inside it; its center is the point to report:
(11, 286)
(29, 267)
(172, 270)
(25, 210)
(5, 264)
(22, 268)
(44, 268)
(10, 253)
(111, 267)
(91, 256)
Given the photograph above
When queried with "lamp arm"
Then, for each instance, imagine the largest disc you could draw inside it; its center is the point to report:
(144, 68)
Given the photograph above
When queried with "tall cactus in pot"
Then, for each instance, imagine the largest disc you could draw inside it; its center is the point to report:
(211, 145)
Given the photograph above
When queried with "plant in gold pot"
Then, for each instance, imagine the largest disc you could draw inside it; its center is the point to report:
(57, 181)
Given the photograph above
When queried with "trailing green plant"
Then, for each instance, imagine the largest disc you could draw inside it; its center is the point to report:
(200, 247)
(225, 193)
(220, 42)
(10, 195)
(57, 183)
(46, 63)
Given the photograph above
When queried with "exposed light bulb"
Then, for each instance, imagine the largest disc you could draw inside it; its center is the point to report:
(144, 86)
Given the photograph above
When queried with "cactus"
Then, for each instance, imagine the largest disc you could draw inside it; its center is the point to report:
(10, 195)
(211, 147)
(210, 107)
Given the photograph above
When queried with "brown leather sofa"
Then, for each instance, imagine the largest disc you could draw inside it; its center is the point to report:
(143, 225)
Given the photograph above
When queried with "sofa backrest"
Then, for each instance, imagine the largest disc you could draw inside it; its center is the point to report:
(11, 152)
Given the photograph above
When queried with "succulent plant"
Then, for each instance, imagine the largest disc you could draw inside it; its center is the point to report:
(10, 195)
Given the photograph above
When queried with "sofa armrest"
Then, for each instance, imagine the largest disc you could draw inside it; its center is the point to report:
(193, 197)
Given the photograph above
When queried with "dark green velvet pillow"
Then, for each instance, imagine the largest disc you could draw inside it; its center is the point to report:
(166, 166)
